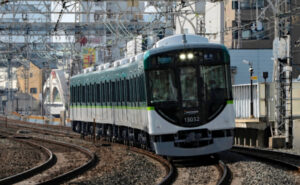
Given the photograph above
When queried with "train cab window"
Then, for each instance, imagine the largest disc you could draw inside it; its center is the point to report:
(214, 80)
(162, 86)
(188, 81)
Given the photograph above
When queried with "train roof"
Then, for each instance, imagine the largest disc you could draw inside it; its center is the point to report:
(182, 41)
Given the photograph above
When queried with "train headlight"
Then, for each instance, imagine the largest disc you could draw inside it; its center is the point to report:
(182, 56)
(190, 56)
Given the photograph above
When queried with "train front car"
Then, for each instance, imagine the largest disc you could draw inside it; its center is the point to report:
(189, 95)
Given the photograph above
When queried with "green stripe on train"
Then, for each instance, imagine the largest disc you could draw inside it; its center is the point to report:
(229, 101)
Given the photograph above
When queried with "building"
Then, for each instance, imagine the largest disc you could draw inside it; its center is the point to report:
(119, 20)
(31, 79)
(4, 78)
(248, 24)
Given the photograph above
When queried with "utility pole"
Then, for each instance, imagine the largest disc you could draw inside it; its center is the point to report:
(282, 72)
(239, 23)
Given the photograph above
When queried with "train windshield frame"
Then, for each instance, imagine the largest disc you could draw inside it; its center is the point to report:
(189, 87)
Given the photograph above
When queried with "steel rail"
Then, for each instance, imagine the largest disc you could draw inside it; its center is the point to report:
(77, 171)
(170, 177)
(226, 174)
(32, 171)
(289, 160)
(70, 174)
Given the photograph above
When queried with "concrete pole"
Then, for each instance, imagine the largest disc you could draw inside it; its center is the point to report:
(276, 74)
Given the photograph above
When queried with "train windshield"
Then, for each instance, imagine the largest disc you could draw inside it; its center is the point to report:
(162, 86)
(189, 88)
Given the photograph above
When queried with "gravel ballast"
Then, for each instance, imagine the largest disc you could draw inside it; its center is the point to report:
(122, 166)
(17, 157)
(247, 170)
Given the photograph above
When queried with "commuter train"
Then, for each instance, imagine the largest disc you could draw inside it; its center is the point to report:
(175, 98)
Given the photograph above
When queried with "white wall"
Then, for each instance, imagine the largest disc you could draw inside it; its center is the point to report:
(214, 21)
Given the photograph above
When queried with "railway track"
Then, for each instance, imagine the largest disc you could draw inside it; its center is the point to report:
(226, 174)
(289, 160)
(56, 130)
(28, 173)
(170, 172)
(203, 165)
(63, 132)
(56, 169)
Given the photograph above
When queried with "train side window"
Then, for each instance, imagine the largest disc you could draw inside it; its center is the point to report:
(117, 91)
(103, 92)
(102, 98)
(107, 92)
(120, 91)
(136, 95)
(128, 91)
(77, 94)
(72, 95)
(123, 89)
(98, 93)
(93, 90)
(83, 93)
(143, 88)
(137, 89)
(93, 93)
(131, 90)
(88, 93)
(113, 85)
